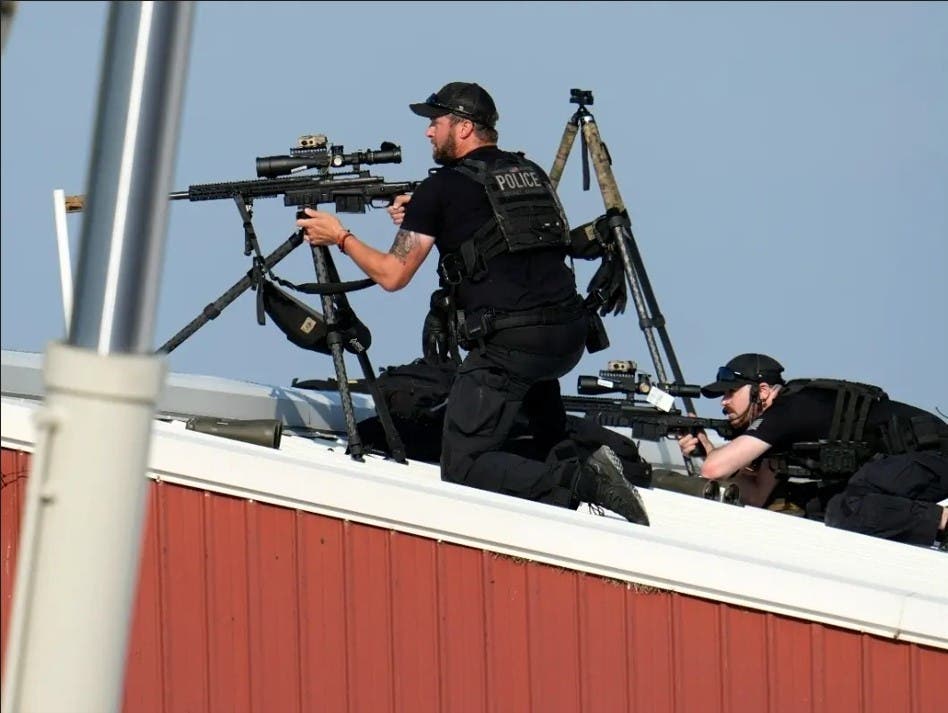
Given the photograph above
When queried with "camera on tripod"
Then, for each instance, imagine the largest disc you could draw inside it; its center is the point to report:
(315, 151)
(583, 97)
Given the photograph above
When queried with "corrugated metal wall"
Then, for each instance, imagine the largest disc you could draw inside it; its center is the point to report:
(250, 607)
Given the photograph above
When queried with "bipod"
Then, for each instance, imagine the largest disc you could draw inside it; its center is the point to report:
(650, 317)
(252, 279)
(328, 277)
(326, 274)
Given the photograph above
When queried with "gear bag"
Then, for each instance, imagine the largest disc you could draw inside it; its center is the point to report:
(307, 328)
(416, 395)
(417, 391)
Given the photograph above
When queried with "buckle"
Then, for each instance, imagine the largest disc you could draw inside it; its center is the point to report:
(451, 269)
(477, 327)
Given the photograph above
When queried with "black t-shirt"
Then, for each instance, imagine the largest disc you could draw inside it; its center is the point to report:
(807, 415)
(450, 207)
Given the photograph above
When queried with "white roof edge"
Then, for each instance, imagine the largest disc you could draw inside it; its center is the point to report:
(741, 556)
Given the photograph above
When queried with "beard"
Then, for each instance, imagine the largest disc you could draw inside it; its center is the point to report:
(740, 420)
(446, 153)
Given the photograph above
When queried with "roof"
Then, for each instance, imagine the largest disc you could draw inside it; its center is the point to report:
(743, 556)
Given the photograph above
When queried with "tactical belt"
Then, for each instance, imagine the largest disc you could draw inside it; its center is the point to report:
(479, 325)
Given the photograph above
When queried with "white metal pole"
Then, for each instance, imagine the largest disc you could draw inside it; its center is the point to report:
(78, 565)
(65, 259)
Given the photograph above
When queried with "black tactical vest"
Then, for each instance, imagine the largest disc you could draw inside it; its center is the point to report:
(850, 443)
(527, 215)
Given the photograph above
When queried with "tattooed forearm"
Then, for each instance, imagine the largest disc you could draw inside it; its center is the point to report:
(405, 241)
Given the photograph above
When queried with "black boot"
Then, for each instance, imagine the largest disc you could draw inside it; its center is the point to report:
(608, 488)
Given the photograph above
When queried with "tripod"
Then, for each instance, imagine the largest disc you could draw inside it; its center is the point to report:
(332, 293)
(650, 318)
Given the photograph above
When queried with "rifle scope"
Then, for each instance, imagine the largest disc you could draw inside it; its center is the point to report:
(322, 158)
(600, 385)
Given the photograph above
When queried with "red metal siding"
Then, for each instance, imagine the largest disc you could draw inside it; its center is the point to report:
(249, 607)
(14, 467)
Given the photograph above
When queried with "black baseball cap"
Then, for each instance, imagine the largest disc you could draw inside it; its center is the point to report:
(744, 369)
(462, 98)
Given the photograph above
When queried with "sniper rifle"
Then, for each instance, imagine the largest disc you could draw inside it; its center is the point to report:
(350, 191)
(651, 421)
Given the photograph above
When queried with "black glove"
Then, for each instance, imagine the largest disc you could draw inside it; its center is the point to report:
(607, 286)
(434, 338)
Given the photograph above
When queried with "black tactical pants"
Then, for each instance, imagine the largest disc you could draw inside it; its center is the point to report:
(894, 497)
(516, 371)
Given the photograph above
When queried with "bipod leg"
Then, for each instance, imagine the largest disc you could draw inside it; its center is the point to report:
(334, 340)
(392, 436)
(395, 444)
(215, 308)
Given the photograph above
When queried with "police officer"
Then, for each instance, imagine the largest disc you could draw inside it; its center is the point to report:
(888, 460)
(501, 237)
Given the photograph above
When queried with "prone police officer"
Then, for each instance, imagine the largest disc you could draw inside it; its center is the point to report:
(881, 466)
(502, 238)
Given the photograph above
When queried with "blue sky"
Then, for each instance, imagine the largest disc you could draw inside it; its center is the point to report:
(785, 167)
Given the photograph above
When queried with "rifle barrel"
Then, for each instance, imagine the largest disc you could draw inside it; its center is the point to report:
(270, 188)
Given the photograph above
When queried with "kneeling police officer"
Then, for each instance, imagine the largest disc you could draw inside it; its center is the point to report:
(502, 239)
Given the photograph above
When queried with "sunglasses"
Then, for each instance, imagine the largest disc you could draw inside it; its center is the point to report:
(435, 102)
(727, 374)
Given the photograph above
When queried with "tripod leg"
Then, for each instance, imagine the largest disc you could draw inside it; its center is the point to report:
(602, 165)
(645, 303)
(562, 153)
(628, 250)
(215, 308)
(658, 320)
(334, 340)
(613, 203)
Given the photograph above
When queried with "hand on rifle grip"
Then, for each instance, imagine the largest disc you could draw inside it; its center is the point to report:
(320, 227)
(695, 444)
(396, 210)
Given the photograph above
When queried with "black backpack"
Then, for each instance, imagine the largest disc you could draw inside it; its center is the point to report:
(416, 395)
(417, 391)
